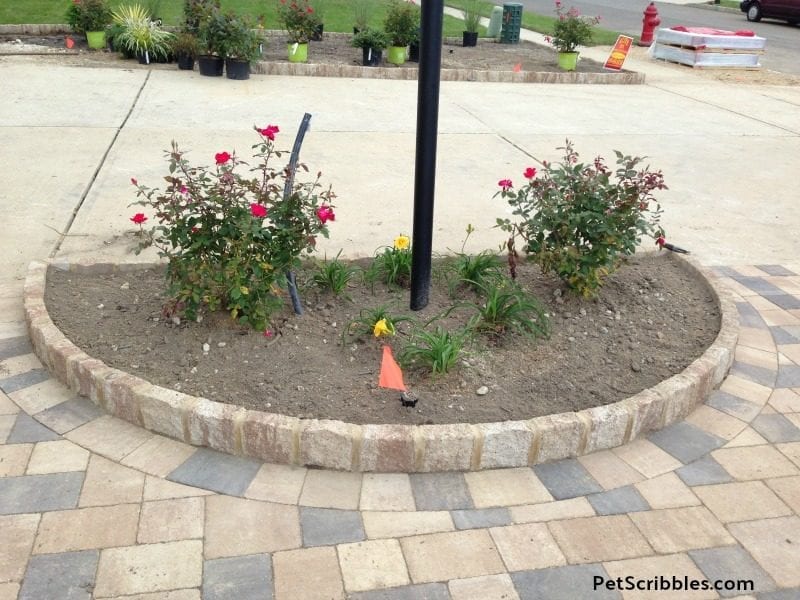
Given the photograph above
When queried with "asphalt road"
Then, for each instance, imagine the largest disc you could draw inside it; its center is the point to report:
(783, 40)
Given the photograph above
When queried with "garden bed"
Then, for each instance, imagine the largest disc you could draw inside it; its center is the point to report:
(652, 319)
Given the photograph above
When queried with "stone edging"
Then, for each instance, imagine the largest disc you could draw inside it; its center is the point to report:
(384, 448)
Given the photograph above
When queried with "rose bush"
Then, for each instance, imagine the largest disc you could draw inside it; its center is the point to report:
(229, 233)
(578, 222)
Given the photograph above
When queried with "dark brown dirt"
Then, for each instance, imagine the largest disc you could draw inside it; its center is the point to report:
(650, 321)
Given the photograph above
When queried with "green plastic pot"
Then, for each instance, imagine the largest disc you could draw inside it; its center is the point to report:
(298, 53)
(396, 55)
(96, 39)
(567, 61)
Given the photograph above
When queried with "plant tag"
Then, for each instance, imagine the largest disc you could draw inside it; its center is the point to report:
(146, 57)
(294, 48)
(369, 55)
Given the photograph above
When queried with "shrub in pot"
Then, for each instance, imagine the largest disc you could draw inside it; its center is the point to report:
(472, 20)
(300, 21)
(127, 18)
(211, 39)
(372, 42)
(90, 17)
(184, 47)
(401, 25)
(195, 12)
(242, 46)
(571, 30)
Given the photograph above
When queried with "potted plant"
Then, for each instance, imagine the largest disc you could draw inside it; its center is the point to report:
(472, 20)
(372, 42)
(401, 25)
(361, 9)
(90, 17)
(300, 21)
(211, 42)
(571, 30)
(126, 19)
(195, 12)
(242, 47)
(184, 47)
(145, 40)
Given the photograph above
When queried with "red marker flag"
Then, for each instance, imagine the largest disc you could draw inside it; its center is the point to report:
(391, 376)
(517, 67)
(69, 42)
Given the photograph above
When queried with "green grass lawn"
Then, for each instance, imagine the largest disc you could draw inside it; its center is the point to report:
(337, 14)
(729, 3)
(544, 24)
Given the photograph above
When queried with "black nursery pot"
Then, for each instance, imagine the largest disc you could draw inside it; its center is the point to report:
(210, 66)
(185, 62)
(317, 37)
(144, 58)
(469, 39)
(237, 69)
(413, 53)
(373, 58)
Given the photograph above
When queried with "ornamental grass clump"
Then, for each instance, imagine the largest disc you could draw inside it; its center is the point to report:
(230, 233)
(580, 220)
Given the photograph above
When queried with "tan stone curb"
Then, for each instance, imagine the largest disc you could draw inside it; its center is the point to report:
(383, 448)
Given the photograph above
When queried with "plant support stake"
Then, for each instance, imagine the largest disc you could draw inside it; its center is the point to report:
(430, 62)
(287, 191)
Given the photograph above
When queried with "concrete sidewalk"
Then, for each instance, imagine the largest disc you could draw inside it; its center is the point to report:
(93, 505)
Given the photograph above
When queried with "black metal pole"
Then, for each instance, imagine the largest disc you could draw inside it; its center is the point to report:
(430, 62)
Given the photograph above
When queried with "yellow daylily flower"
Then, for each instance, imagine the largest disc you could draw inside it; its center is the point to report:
(244, 290)
(383, 327)
(402, 242)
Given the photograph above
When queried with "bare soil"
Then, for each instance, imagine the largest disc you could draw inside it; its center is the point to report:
(650, 321)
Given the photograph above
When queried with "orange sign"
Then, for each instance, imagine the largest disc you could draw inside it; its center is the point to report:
(618, 53)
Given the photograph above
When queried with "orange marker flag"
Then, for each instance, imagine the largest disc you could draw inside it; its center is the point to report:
(391, 376)
(69, 42)
(517, 67)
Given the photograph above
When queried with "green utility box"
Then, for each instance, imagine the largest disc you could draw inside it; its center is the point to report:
(495, 22)
(512, 22)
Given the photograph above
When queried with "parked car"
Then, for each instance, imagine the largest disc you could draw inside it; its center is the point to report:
(788, 10)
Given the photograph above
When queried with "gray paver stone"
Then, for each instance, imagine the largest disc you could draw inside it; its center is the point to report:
(748, 316)
(685, 442)
(563, 583)
(328, 526)
(705, 471)
(28, 430)
(776, 270)
(240, 577)
(39, 493)
(428, 591)
(440, 491)
(733, 405)
(23, 380)
(15, 346)
(732, 562)
(567, 479)
(486, 517)
(68, 415)
(776, 428)
(64, 576)
(618, 501)
(788, 376)
(760, 375)
(216, 471)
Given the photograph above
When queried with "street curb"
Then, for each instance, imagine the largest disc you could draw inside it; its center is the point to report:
(344, 446)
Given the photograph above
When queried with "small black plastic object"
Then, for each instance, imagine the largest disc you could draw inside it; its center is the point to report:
(408, 399)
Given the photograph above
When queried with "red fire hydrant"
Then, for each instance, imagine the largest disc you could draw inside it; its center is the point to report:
(649, 24)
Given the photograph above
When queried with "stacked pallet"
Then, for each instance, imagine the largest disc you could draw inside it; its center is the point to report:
(701, 47)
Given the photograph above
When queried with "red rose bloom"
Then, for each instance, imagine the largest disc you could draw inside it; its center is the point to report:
(258, 210)
(133, 181)
(530, 173)
(325, 214)
(222, 157)
(139, 218)
(269, 132)
(505, 184)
